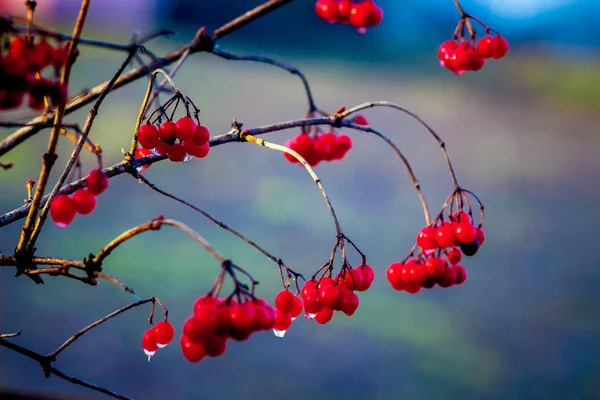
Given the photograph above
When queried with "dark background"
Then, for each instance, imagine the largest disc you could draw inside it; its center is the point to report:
(523, 133)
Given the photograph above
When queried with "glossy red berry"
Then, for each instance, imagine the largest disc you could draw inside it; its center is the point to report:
(97, 181)
(375, 14)
(283, 321)
(343, 144)
(476, 60)
(162, 148)
(459, 61)
(500, 47)
(427, 238)
(327, 10)
(394, 275)
(360, 14)
(297, 307)
(164, 333)
(202, 135)
(461, 217)
(284, 301)
(166, 131)
(445, 235)
(435, 267)
(454, 256)
(205, 316)
(192, 351)
(465, 232)
(148, 136)
(445, 52)
(361, 120)
(353, 280)
(417, 272)
(214, 345)
(312, 303)
(344, 7)
(185, 128)
(149, 342)
(349, 303)
(324, 315)
(412, 287)
(84, 201)
(480, 235)
(461, 274)
(448, 278)
(290, 143)
(309, 286)
(329, 296)
(368, 276)
(241, 316)
(62, 210)
(176, 152)
(322, 148)
(486, 46)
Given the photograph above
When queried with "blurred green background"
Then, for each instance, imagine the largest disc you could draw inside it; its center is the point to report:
(522, 132)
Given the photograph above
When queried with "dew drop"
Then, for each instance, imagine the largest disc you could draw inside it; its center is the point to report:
(309, 316)
(293, 318)
(161, 346)
(279, 333)
(149, 354)
(60, 224)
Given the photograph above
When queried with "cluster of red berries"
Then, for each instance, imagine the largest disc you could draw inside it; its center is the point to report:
(19, 65)
(322, 297)
(323, 147)
(157, 337)
(64, 208)
(362, 15)
(452, 238)
(465, 56)
(179, 140)
(287, 309)
(215, 320)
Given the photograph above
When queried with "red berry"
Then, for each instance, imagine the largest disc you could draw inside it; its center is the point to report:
(435, 267)
(322, 148)
(465, 232)
(192, 330)
(223, 320)
(264, 317)
(297, 308)
(459, 61)
(375, 14)
(241, 316)
(360, 14)
(454, 256)
(480, 235)
(329, 296)
(62, 210)
(476, 60)
(214, 345)
(368, 276)
(446, 236)
(426, 238)
(429, 283)
(461, 274)
(193, 352)
(448, 278)
(97, 181)
(500, 47)
(290, 144)
(327, 10)
(353, 280)
(343, 9)
(284, 301)
(167, 131)
(185, 128)
(486, 46)
(330, 138)
(162, 148)
(324, 316)
(308, 287)
(283, 321)
(148, 136)
(202, 135)
(417, 273)
(446, 51)
(176, 152)
(149, 342)
(394, 275)
(84, 201)
(349, 302)
(205, 316)
(412, 287)
(343, 144)
(461, 217)
(312, 303)
(361, 120)
(164, 332)
(326, 281)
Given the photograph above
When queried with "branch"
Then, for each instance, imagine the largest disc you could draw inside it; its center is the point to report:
(49, 157)
(312, 107)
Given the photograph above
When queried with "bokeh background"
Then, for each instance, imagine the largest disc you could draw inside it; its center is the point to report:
(523, 133)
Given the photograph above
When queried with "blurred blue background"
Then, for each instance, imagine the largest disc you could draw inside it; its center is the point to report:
(523, 133)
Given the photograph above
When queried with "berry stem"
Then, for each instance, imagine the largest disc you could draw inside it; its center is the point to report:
(154, 225)
(102, 320)
(217, 222)
(49, 157)
(441, 143)
(462, 13)
(9, 335)
(273, 146)
(312, 107)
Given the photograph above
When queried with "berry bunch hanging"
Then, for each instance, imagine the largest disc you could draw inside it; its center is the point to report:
(157, 337)
(362, 15)
(462, 54)
(442, 245)
(83, 201)
(21, 65)
(322, 147)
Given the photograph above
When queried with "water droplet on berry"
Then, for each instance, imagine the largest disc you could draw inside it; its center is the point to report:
(149, 353)
(429, 252)
(279, 333)
(309, 316)
(60, 224)
(293, 318)
(161, 346)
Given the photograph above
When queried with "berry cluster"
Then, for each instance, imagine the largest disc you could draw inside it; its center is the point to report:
(322, 297)
(362, 15)
(179, 140)
(465, 56)
(287, 309)
(215, 320)
(157, 337)
(449, 238)
(20, 68)
(323, 147)
(64, 208)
